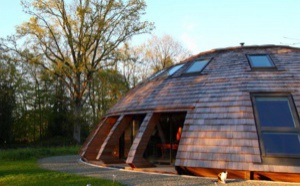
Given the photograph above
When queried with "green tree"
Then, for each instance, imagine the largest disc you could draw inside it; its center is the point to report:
(60, 115)
(8, 81)
(74, 39)
(7, 105)
(107, 87)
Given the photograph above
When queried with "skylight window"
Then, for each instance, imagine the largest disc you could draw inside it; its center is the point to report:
(197, 66)
(166, 72)
(174, 69)
(260, 61)
(171, 70)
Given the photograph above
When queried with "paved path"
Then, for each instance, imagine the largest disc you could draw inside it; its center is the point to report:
(72, 164)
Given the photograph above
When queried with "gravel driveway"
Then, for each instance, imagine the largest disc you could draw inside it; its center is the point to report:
(72, 164)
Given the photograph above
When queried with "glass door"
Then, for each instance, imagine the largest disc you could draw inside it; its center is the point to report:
(163, 144)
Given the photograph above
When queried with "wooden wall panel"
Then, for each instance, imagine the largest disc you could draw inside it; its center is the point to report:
(97, 138)
(105, 154)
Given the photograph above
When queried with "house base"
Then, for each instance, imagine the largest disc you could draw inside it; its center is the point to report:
(238, 174)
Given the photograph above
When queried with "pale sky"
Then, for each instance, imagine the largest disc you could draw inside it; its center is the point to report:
(202, 25)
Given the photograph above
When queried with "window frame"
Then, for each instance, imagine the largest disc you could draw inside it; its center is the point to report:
(185, 73)
(157, 74)
(166, 72)
(250, 61)
(282, 159)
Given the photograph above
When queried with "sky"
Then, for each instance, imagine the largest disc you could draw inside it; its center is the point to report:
(202, 25)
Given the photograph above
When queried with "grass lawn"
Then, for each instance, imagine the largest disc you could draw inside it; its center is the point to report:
(19, 167)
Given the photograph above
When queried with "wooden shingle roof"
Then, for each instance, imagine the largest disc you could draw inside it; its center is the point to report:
(227, 70)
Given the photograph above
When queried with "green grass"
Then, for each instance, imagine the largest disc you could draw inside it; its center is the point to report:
(19, 167)
(36, 153)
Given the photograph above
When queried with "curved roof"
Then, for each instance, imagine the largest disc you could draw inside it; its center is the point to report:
(184, 91)
(240, 48)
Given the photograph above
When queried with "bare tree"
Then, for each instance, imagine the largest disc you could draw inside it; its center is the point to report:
(139, 62)
(133, 66)
(162, 52)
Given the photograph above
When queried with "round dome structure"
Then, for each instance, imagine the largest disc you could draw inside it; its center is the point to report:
(233, 109)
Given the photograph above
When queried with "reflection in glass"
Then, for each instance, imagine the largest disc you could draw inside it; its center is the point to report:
(197, 66)
(260, 61)
(274, 112)
(281, 143)
(128, 136)
(164, 141)
(174, 69)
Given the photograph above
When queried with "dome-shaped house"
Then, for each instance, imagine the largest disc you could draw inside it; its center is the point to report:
(233, 109)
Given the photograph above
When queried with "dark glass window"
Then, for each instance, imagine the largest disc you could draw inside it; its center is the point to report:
(171, 70)
(281, 143)
(261, 61)
(197, 66)
(166, 72)
(174, 69)
(274, 112)
(278, 126)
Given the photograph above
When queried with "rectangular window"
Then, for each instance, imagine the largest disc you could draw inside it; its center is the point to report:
(278, 126)
(197, 66)
(166, 72)
(260, 61)
(171, 70)
(274, 112)
(174, 69)
(281, 143)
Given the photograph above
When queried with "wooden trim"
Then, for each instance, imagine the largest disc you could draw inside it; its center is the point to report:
(272, 176)
(106, 152)
(90, 138)
(238, 174)
(210, 172)
(97, 138)
(219, 50)
(157, 109)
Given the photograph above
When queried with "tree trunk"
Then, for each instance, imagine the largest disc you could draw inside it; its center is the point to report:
(77, 121)
(77, 109)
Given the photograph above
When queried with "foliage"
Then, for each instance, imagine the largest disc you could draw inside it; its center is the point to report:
(73, 40)
(70, 63)
(42, 112)
(7, 104)
(7, 98)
